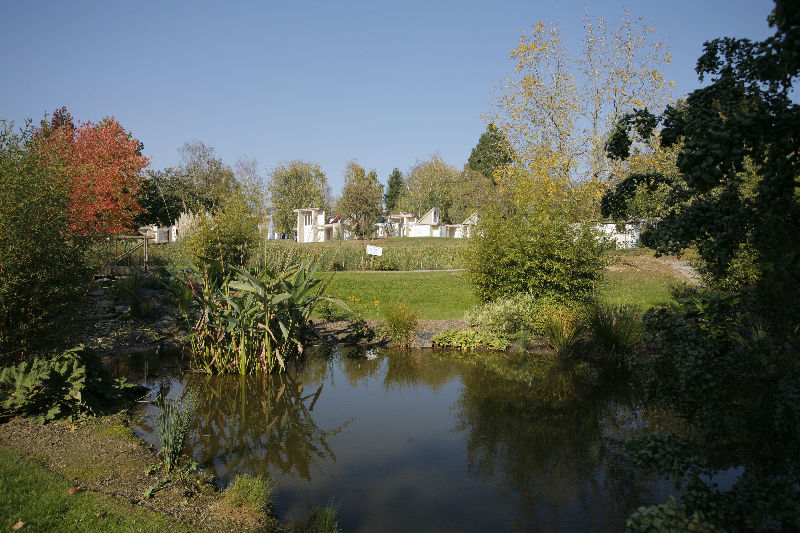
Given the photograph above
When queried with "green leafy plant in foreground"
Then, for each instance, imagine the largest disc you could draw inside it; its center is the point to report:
(471, 339)
(73, 383)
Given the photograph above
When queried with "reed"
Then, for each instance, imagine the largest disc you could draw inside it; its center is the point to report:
(251, 319)
(174, 421)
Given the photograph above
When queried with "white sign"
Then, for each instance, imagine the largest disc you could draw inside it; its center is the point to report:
(374, 250)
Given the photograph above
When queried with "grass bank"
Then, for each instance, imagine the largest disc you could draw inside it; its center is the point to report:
(44, 501)
(635, 278)
(436, 295)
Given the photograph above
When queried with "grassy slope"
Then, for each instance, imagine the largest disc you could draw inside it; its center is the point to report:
(32, 494)
(437, 295)
(635, 279)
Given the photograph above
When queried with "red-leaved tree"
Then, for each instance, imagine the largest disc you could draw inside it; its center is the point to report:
(102, 166)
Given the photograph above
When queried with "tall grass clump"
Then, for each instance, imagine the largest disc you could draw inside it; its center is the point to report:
(564, 329)
(615, 330)
(132, 289)
(251, 494)
(320, 520)
(244, 320)
(174, 422)
(400, 320)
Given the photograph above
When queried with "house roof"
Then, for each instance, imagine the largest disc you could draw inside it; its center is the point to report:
(431, 217)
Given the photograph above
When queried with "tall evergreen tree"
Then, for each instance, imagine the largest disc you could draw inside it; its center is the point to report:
(393, 190)
(492, 152)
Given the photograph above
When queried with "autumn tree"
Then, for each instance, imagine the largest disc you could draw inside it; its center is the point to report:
(102, 163)
(558, 109)
(361, 199)
(492, 152)
(394, 188)
(295, 185)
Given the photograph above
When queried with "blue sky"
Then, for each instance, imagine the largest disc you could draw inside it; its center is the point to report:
(387, 83)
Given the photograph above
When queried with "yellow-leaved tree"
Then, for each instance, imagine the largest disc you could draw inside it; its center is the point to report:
(558, 108)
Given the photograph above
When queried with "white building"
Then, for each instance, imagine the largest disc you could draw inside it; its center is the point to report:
(623, 234)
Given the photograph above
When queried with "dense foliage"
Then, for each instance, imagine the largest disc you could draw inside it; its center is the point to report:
(42, 266)
(535, 251)
(296, 185)
(728, 361)
(248, 320)
(227, 237)
(361, 201)
(73, 383)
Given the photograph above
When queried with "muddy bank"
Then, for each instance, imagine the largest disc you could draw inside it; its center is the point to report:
(104, 455)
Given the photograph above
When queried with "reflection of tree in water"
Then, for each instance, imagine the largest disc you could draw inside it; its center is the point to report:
(410, 368)
(397, 368)
(545, 437)
(252, 423)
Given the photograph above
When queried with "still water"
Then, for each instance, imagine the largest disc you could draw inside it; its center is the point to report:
(420, 441)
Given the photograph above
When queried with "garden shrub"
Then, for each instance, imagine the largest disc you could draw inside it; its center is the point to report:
(471, 339)
(226, 236)
(401, 320)
(510, 315)
(42, 266)
(73, 383)
(533, 250)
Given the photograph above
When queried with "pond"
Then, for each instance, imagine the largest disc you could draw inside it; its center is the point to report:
(419, 441)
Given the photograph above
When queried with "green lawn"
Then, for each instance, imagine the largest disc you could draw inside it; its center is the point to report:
(39, 498)
(437, 295)
(635, 279)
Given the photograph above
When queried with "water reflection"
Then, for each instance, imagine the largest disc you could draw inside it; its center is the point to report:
(259, 424)
(408, 440)
(553, 444)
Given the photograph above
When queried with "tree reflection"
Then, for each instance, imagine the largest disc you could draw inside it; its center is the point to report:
(545, 436)
(254, 423)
